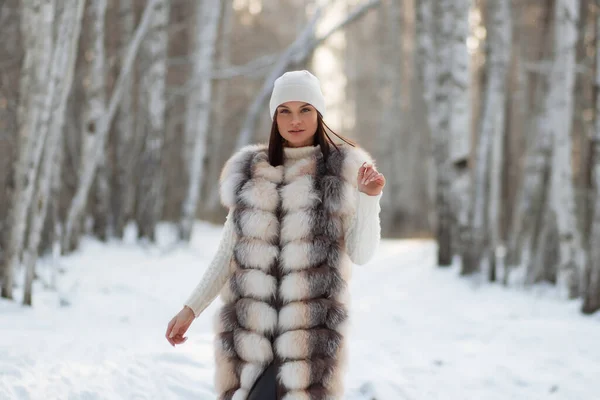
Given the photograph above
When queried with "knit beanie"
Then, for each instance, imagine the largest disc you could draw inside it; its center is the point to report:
(297, 86)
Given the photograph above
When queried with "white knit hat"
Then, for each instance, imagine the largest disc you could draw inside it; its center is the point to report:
(297, 86)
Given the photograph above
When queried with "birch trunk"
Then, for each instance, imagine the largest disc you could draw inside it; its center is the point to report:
(33, 114)
(392, 154)
(124, 193)
(450, 17)
(86, 177)
(62, 67)
(483, 236)
(152, 101)
(222, 92)
(198, 107)
(459, 146)
(94, 86)
(11, 51)
(531, 196)
(426, 56)
(591, 300)
(560, 106)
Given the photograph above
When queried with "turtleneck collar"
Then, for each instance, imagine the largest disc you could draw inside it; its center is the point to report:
(300, 152)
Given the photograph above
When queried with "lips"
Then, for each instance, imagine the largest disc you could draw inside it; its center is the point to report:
(296, 131)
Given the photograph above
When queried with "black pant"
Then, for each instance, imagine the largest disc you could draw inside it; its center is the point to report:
(265, 387)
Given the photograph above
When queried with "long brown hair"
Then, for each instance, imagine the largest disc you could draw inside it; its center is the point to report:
(320, 138)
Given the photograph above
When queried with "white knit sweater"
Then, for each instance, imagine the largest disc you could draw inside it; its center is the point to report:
(362, 239)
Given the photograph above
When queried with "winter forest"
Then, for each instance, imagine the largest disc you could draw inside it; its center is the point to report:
(116, 117)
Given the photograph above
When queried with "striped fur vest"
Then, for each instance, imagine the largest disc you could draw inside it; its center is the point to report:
(286, 302)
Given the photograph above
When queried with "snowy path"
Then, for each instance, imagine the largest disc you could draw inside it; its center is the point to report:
(418, 332)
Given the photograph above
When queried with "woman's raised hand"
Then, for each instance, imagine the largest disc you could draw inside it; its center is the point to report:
(370, 181)
(179, 325)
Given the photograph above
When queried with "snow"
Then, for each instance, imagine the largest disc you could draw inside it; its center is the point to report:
(418, 331)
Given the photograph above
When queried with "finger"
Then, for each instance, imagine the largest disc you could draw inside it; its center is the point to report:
(375, 176)
(179, 339)
(380, 180)
(170, 328)
(368, 176)
(175, 329)
(362, 169)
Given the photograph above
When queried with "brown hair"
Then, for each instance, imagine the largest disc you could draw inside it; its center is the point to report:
(320, 138)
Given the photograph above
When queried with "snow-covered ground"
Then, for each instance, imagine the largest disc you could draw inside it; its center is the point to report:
(418, 332)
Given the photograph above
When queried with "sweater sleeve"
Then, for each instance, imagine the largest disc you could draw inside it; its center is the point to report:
(218, 272)
(364, 231)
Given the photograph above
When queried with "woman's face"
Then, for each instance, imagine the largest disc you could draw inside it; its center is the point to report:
(297, 123)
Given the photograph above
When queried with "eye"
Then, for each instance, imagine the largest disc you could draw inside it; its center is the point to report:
(283, 111)
(306, 109)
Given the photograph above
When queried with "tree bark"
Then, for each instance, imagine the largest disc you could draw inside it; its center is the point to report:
(531, 196)
(79, 201)
(124, 193)
(11, 54)
(94, 87)
(483, 235)
(560, 106)
(199, 107)
(591, 298)
(34, 113)
(152, 100)
(62, 67)
(450, 109)
(221, 92)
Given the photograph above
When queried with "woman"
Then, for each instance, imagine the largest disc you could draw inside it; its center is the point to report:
(301, 210)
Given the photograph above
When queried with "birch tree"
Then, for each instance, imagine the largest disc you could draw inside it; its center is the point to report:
(426, 61)
(392, 153)
(448, 98)
(125, 127)
(483, 234)
(34, 111)
(61, 73)
(560, 106)
(152, 103)
(221, 95)
(94, 87)
(591, 296)
(86, 177)
(198, 106)
(531, 196)
(11, 53)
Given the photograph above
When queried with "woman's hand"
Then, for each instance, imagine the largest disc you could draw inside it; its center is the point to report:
(179, 325)
(370, 181)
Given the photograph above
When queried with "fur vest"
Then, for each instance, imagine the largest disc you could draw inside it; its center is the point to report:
(286, 301)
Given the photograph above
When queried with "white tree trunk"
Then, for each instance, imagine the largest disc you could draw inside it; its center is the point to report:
(501, 39)
(222, 92)
(86, 177)
(34, 112)
(426, 55)
(483, 234)
(560, 117)
(591, 301)
(125, 128)
(94, 87)
(459, 81)
(394, 147)
(450, 113)
(459, 146)
(62, 67)
(153, 55)
(198, 107)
